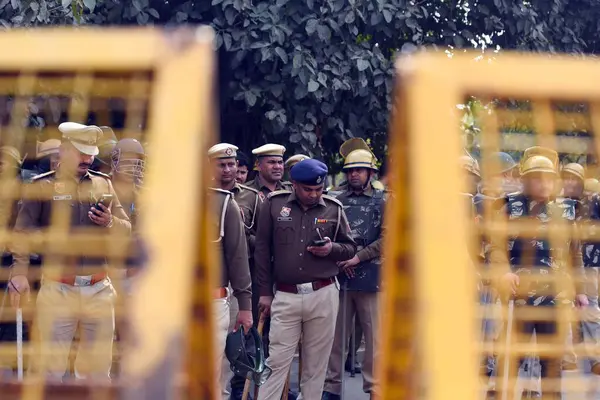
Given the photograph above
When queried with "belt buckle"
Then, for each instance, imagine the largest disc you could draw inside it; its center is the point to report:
(83, 280)
(305, 288)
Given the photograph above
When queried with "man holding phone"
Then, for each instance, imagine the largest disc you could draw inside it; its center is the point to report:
(80, 292)
(301, 236)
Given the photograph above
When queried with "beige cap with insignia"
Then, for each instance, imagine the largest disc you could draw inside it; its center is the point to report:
(84, 137)
(269, 150)
(222, 150)
(50, 146)
(293, 160)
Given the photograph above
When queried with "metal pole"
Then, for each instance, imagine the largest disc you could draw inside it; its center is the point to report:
(509, 322)
(353, 349)
(20, 344)
(344, 340)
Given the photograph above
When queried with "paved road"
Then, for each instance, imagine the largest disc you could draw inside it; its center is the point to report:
(353, 386)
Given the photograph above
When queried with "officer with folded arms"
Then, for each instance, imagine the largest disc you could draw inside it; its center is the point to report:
(302, 234)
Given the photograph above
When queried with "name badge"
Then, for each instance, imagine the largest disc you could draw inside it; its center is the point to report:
(63, 197)
(285, 219)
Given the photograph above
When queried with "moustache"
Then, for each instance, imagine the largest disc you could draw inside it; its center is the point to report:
(85, 165)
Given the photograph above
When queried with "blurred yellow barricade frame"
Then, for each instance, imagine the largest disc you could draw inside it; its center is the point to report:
(429, 333)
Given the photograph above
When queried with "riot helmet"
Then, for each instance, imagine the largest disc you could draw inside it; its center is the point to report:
(128, 159)
(246, 355)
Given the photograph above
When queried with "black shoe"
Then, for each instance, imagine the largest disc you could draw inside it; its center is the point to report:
(348, 367)
(330, 396)
(530, 394)
(238, 394)
(292, 395)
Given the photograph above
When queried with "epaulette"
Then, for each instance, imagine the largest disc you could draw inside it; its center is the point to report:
(248, 188)
(277, 193)
(333, 199)
(102, 174)
(220, 190)
(40, 176)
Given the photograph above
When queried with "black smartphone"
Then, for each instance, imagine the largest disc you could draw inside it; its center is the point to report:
(105, 200)
(318, 243)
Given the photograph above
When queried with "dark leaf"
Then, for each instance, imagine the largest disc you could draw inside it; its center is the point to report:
(297, 61)
(362, 64)
(326, 108)
(90, 4)
(387, 15)
(375, 18)
(322, 79)
(154, 13)
(350, 17)
(258, 45)
(324, 33)
(311, 26)
(313, 86)
(282, 54)
(215, 2)
(295, 137)
(142, 18)
(300, 92)
(16, 5)
(34, 6)
(412, 23)
(65, 3)
(3, 3)
(181, 16)
(271, 115)
(250, 98)
(227, 41)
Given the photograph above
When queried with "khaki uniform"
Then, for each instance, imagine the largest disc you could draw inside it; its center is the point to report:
(233, 249)
(264, 191)
(81, 293)
(306, 292)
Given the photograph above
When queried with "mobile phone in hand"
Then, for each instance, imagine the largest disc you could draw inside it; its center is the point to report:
(318, 243)
(105, 200)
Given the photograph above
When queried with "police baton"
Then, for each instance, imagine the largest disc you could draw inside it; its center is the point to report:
(261, 323)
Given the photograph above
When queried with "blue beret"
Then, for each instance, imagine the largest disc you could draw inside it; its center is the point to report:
(309, 172)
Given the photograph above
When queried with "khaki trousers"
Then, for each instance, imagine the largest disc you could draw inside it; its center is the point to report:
(226, 372)
(60, 309)
(313, 316)
(365, 305)
(221, 316)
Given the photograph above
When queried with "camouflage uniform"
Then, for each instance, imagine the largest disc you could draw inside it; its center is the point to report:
(589, 211)
(365, 215)
(532, 258)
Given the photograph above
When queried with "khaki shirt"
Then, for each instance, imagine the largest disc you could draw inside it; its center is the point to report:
(285, 230)
(249, 201)
(233, 249)
(264, 191)
(49, 190)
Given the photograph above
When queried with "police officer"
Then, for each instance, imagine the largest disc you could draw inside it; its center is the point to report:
(270, 170)
(223, 158)
(80, 293)
(47, 155)
(360, 279)
(106, 144)
(235, 270)
(588, 210)
(301, 236)
(10, 164)
(293, 160)
(128, 164)
(243, 167)
(532, 258)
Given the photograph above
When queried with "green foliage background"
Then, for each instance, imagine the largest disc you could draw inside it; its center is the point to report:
(312, 73)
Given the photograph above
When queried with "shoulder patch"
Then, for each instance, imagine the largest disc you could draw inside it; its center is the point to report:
(248, 188)
(278, 192)
(226, 192)
(44, 175)
(333, 199)
(102, 174)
